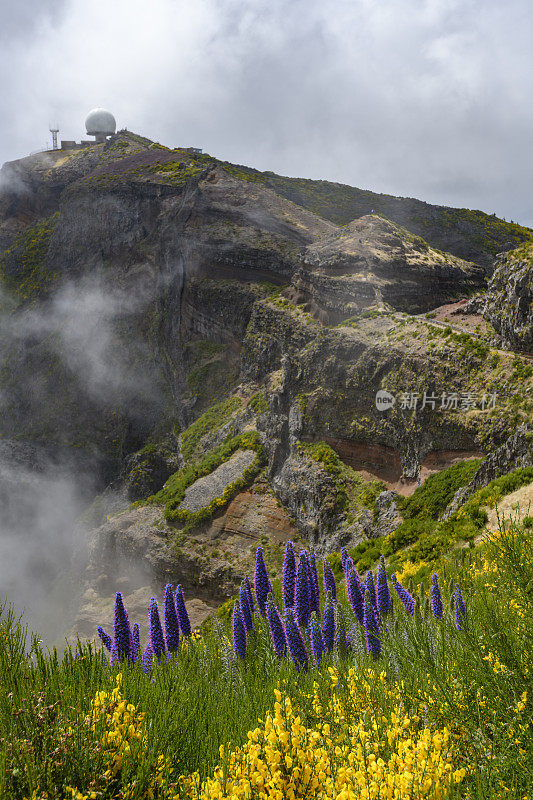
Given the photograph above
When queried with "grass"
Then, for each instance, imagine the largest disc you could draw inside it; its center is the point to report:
(475, 683)
(258, 402)
(430, 499)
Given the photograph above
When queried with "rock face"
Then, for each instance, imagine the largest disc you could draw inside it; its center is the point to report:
(509, 299)
(136, 553)
(371, 263)
(204, 490)
(146, 253)
(388, 516)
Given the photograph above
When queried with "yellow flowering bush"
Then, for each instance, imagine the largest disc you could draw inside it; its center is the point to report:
(351, 752)
(124, 735)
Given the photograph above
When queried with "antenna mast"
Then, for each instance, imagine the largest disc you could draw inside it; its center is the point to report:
(54, 130)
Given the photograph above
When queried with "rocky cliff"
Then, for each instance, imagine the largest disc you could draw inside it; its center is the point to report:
(508, 302)
(178, 327)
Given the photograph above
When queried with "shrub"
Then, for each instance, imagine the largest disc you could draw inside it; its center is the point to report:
(258, 403)
(210, 421)
(430, 499)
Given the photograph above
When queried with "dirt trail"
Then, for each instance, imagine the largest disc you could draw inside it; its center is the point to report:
(465, 323)
(518, 504)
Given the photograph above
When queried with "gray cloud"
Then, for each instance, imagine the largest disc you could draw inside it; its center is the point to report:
(20, 20)
(426, 98)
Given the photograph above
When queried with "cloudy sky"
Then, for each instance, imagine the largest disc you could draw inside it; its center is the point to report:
(421, 98)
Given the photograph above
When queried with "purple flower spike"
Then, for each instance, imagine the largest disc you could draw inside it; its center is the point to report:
(135, 638)
(328, 626)
(277, 630)
(185, 623)
(107, 641)
(245, 609)
(301, 593)
(157, 640)
(172, 626)
(313, 585)
(383, 592)
(122, 629)
(315, 639)
(148, 657)
(249, 596)
(355, 597)
(261, 580)
(407, 599)
(436, 599)
(370, 588)
(288, 582)
(348, 565)
(371, 627)
(329, 580)
(459, 608)
(239, 631)
(295, 643)
(344, 556)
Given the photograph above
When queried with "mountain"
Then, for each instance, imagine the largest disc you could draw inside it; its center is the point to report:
(207, 341)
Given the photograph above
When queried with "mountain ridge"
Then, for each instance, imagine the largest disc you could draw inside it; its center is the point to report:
(469, 234)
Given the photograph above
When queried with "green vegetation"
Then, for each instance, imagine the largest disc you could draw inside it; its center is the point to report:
(325, 455)
(151, 468)
(421, 540)
(492, 494)
(468, 345)
(173, 492)
(522, 370)
(280, 301)
(523, 253)
(209, 422)
(477, 681)
(258, 402)
(430, 499)
(23, 269)
(175, 173)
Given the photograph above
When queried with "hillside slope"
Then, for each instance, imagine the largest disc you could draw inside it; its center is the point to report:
(162, 311)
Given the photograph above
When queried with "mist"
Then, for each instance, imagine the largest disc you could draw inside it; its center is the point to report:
(42, 549)
(46, 490)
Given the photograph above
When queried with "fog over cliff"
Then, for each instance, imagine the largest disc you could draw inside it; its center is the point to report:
(45, 488)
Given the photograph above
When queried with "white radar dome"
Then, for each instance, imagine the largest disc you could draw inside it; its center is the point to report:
(100, 122)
